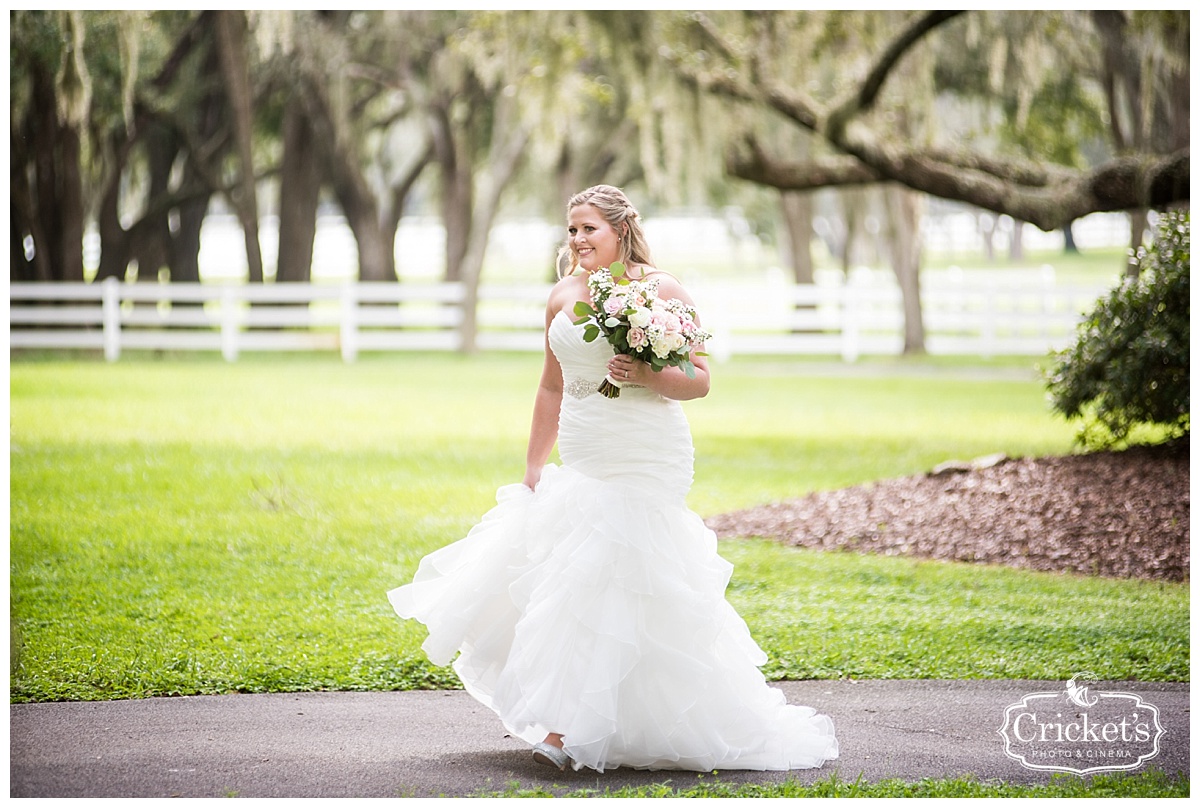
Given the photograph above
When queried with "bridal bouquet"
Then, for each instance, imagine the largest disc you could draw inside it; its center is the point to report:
(636, 321)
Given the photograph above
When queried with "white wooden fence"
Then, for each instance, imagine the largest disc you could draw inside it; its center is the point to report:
(970, 313)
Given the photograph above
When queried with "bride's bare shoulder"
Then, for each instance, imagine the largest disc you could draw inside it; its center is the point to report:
(668, 284)
(565, 292)
(639, 272)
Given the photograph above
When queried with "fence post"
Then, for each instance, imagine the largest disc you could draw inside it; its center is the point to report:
(229, 326)
(349, 322)
(1048, 304)
(110, 306)
(987, 332)
(849, 320)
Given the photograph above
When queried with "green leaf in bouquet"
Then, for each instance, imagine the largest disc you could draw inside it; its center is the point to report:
(617, 270)
(590, 333)
(688, 368)
(583, 310)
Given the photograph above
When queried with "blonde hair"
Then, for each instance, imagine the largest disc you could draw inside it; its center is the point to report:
(617, 210)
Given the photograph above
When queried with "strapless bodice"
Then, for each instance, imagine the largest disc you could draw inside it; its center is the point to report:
(638, 437)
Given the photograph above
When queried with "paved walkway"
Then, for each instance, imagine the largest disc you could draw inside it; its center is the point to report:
(418, 744)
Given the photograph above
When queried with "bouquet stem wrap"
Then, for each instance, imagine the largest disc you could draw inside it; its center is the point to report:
(610, 387)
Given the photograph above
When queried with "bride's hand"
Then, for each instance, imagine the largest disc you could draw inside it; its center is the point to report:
(627, 370)
(532, 478)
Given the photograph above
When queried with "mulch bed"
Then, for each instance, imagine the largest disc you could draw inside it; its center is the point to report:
(1119, 514)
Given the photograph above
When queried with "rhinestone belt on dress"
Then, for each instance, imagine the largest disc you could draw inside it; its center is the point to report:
(582, 388)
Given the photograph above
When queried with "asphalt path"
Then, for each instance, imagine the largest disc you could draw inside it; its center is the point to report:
(443, 743)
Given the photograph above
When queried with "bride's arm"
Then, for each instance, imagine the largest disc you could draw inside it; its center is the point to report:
(544, 430)
(668, 382)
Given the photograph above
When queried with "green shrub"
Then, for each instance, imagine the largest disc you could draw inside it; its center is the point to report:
(1129, 364)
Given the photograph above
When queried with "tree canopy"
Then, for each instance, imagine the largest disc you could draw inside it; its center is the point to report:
(1048, 194)
(134, 122)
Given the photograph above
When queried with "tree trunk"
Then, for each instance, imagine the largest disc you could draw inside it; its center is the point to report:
(71, 204)
(457, 193)
(23, 215)
(152, 241)
(1069, 245)
(1016, 244)
(149, 238)
(504, 161)
(230, 29)
(1138, 220)
(796, 217)
(185, 242)
(904, 216)
(853, 201)
(59, 188)
(376, 260)
(184, 254)
(796, 210)
(987, 231)
(472, 266)
(400, 192)
(45, 136)
(114, 247)
(299, 195)
(19, 267)
(456, 216)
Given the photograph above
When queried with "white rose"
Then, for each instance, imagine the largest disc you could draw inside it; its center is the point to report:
(640, 317)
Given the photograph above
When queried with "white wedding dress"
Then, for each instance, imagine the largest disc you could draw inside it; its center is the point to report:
(595, 606)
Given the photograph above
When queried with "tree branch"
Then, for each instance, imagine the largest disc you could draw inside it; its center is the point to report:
(753, 164)
(1021, 172)
(715, 36)
(1048, 200)
(1045, 195)
(868, 91)
(195, 32)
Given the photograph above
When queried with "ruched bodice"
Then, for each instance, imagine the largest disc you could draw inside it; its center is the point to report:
(594, 606)
(585, 362)
(639, 439)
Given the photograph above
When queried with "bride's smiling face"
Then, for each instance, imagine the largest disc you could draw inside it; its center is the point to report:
(592, 238)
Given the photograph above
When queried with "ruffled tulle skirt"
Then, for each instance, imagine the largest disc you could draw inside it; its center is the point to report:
(588, 610)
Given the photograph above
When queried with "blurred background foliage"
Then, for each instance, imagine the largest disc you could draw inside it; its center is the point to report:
(829, 135)
(136, 125)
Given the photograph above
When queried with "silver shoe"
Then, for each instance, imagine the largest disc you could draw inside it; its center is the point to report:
(549, 755)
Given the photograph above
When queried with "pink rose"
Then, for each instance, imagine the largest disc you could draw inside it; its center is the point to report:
(637, 338)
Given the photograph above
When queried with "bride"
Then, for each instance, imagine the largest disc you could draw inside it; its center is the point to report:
(588, 607)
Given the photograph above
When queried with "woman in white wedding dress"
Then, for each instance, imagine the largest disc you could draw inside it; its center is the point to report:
(588, 607)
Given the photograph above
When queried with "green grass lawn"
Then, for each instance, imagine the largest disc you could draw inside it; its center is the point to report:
(1150, 783)
(192, 526)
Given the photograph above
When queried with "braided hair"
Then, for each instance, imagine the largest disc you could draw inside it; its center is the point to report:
(617, 210)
